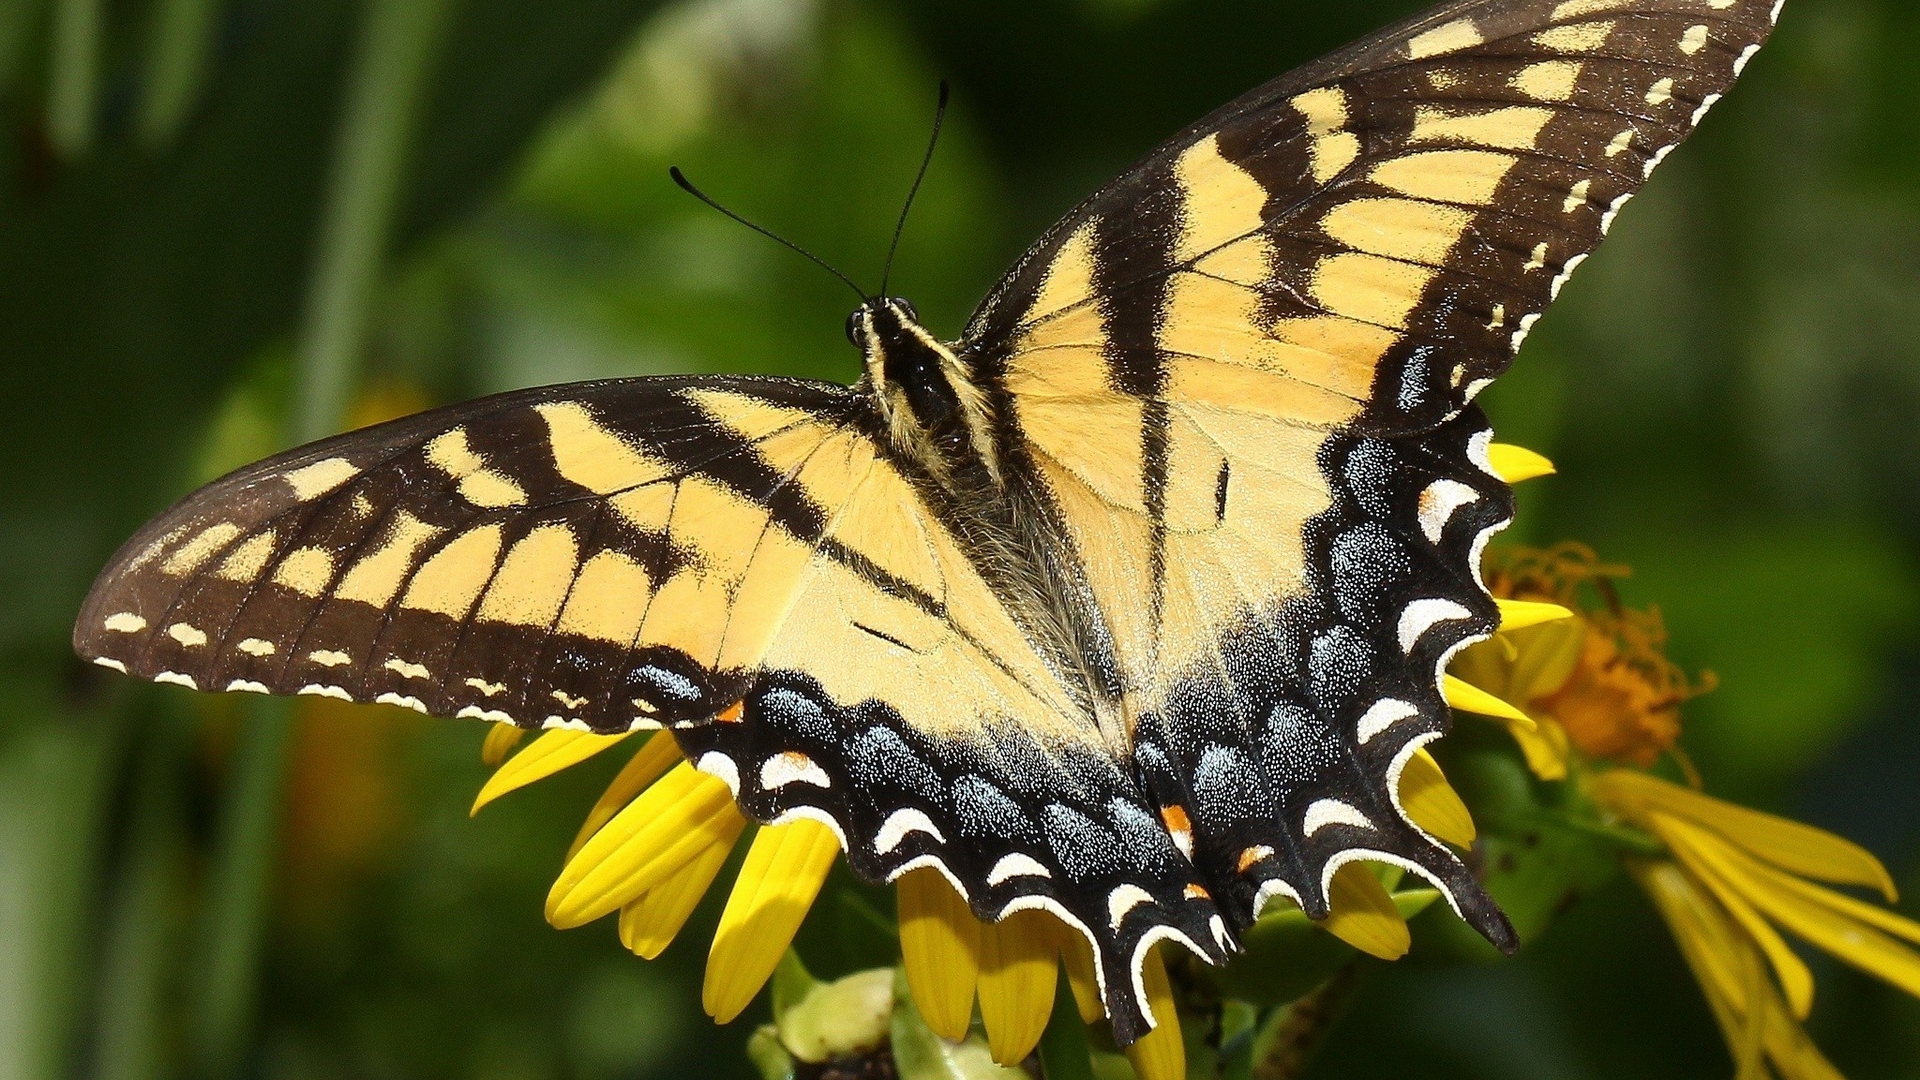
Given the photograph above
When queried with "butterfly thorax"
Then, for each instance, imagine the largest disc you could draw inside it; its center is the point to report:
(934, 413)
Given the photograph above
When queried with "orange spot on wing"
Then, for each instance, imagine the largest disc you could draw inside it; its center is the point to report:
(733, 713)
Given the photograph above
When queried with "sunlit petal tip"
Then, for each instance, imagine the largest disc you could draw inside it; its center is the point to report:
(1432, 804)
(782, 875)
(649, 763)
(1364, 916)
(1516, 463)
(1521, 614)
(552, 752)
(643, 845)
(1467, 697)
(1160, 1054)
(648, 925)
(1017, 981)
(940, 948)
(1789, 845)
(1823, 918)
(500, 741)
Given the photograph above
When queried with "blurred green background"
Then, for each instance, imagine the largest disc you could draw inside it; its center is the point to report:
(224, 223)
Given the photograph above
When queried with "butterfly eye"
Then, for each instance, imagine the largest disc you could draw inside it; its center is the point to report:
(906, 308)
(853, 329)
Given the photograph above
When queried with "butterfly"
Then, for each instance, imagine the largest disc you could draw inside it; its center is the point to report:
(1131, 604)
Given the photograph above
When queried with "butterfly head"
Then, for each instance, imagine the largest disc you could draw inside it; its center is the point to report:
(932, 407)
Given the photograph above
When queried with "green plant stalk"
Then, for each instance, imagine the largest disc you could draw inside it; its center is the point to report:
(394, 57)
(397, 47)
(73, 84)
(143, 924)
(178, 39)
(1065, 1053)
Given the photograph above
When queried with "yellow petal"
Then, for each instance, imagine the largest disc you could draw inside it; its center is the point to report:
(1545, 657)
(1017, 980)
(1821, 925)
(649, 763)
(1713, 948)
(657, 834)
(783, 873)
(648, 925)
(1364, 916)
(1467, 697)
(1516, 463)
(1545, 748)
(1521, 614)
(551, 752)
(501, 739)
(940, 948)
(1160, 1054)
(1877, 917)
(1795, 980)
(1790, 845)
(1076, 955)
(1432, 803)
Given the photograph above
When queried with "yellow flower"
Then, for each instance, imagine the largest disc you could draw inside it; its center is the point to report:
(1598, 682)
(653, 844)
(1733, 880)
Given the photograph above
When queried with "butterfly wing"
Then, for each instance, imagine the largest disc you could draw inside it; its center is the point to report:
(1238, 379)
(737, 560)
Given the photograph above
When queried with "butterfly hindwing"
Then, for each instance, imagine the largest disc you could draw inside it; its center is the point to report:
(1239, 377)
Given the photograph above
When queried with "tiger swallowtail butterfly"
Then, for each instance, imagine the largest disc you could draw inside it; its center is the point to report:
(1131, 604)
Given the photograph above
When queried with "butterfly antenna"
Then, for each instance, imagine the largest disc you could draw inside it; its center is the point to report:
(939, 115)
(686, 185)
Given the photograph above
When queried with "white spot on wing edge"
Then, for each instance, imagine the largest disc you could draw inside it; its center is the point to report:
(814, 814)
(1526, 327)
(920, 862)
(1382, 715)
(1270, 890)
(247, 686)
(318, 690)
(1566, 273)
(1607, 219)
(1123, 899)
(1139, 964)
(567, 723)
(1035, 902)
(1422, 615)
(1745, 58)
(1439, 502)
(1706, 104)
(110, 664)
(1477, 451)
(1327, 812)
(402, 700)
(1016, 865)
(792, 767)
(124, 622)
(1654, 162)
(475, 712)
(1777, 5)
(176, 678)
(721, 767)
(894, 830)
(1399, 766)
(1370, 855)
(407, 669)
